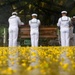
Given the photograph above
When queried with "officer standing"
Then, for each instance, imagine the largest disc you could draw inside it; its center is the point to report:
(64, 24)
(73, 23)
(34, 30)
(14, 22)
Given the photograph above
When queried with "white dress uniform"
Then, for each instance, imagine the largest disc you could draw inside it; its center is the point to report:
(64, 23)
(34, 31)
(14, 21)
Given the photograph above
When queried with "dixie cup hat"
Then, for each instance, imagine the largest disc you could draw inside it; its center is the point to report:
(73, 16)
(14, 13)
(34, 14)
(64, 12)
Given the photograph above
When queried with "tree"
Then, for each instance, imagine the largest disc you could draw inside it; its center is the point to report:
(48, 10)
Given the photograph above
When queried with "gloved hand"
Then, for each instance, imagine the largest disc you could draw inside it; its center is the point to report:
(22, 23)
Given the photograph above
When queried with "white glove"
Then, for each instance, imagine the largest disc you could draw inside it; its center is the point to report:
(22, 23)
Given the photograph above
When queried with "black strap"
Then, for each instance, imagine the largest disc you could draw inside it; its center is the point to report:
(34, 22)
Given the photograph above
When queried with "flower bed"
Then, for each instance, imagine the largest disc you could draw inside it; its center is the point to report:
(37, 61)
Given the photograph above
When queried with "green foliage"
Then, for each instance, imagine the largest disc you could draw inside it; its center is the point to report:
(1, 31)
(48, 9)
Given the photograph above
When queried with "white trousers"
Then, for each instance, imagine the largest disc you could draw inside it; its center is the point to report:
(13, 36)
(65, 38)
(34, 39)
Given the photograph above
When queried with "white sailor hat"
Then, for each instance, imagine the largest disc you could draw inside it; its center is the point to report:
(34, 14)
(73, 16)
(64, 12)
(14, 13)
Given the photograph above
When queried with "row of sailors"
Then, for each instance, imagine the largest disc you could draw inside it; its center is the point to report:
(66, 25)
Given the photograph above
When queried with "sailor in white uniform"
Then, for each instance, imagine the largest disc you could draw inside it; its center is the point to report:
(14, 22)
(34, 30)
(64, 24)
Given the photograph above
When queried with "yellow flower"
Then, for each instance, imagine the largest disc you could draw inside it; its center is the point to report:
(23, 64)
(65, 66)
(43, 71)
(0, 63)
(29, 68)
(7, 71)
(73, 66)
